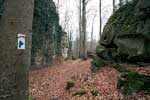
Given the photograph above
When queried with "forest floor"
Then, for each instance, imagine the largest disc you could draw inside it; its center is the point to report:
(50, 83)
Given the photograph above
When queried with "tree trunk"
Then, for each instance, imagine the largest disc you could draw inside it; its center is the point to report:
(120, 3)
(17, 18)
(84, 51)
(100, 15)
(80, 28)
(114, 6)
(70, 45)
(77, 47)
(91, 43)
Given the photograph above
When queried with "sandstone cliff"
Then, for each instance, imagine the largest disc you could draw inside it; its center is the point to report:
(46, 37)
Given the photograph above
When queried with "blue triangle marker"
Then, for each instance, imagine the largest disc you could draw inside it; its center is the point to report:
(20, 44)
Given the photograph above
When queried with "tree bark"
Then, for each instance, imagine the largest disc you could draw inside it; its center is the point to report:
(70, 45)
(14, 64)
(80, 28)
(114, 6)
(100, 17)
(84, 52)
(91, 43)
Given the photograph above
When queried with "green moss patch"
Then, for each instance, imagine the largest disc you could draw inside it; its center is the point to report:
(80, 93)
(30, 99)
(97, 63)
(119, 68)
(70, 84)
(94, 92)
(134, 82)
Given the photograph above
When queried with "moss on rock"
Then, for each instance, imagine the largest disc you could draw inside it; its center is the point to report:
(134, 82)
(97, 63)
(127, 31)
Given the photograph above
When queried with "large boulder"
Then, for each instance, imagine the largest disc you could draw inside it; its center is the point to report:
(126, 36)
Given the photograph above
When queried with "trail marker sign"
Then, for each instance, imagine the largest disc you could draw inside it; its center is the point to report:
(21, 41)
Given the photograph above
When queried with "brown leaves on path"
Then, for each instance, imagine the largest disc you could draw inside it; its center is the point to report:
(51, 82)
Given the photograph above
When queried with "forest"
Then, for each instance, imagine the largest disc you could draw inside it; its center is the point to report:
(74, 49)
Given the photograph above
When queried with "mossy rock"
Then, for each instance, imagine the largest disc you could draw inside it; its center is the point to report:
(119, 68)
(127, 31)
(91, 55)
(133, 83)
(1, 7)
(97, 63)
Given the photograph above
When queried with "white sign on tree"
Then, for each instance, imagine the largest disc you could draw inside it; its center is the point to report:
(21, 41)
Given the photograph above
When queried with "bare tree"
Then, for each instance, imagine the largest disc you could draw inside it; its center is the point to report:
(84, 23)
(77, 45)
(79, 6)
(120, 3)
(67, 15)
(66, 19)
(114, 6)
(84, 52)
(70, 32)
(91, 43)
(82, 4)
(100, 17)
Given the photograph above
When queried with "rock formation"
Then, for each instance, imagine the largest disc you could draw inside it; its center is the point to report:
(64, 44)
(126, 36)
(46, 37)
(1, 7)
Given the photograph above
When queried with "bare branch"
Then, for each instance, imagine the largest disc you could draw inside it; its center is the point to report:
(87, 1)
(91, 9)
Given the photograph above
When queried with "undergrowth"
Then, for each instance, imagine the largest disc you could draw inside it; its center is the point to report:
(80, 93)
(70, 84)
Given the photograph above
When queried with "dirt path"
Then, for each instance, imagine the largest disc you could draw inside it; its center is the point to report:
(51, 82)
